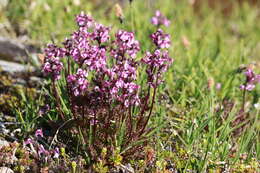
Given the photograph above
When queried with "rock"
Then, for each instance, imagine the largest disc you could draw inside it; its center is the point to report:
(15, 50)
(3, 3)
(3, 143)
(6, 170)
(3, 130)
(11, 50)
(12, 67)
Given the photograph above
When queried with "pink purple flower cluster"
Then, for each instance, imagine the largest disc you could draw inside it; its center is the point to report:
(160, 19)
(84, 20)
(160, 39)
(101, 33)
(54, 51)
(251, 80)
(52, 65)
(121, 84)
(111, 63)
(158, 61)
(125, 44)
(101, 79)
(78, 82)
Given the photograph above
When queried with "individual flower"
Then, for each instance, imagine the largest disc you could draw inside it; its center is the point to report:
(218, 86)
(160, 39)
(39, 133)
(251, 80)
(78, 82)
(42, 150)
(84, 20)
(56, 153)
(159, 19)
(28, 141)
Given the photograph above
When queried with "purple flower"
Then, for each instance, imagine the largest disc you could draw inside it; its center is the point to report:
(39, 133)
(41, 150)
(131, 87)
(28, 141)
(84, 20)
(160, 39)
(95, 58)
(159, 19)
(93, 122)
(218, 86)
(78, 82)
(83, 51)
(52, 67)
(157, 62)
(56, 153)
(251, 80)
(125, 43)
(159, 59)
(121, 86)
(54, 51)
(100, 33)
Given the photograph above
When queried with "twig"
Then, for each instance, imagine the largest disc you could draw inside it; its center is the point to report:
(57, 131)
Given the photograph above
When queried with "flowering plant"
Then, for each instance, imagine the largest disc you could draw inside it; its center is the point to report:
(251, 80)
(106, 103)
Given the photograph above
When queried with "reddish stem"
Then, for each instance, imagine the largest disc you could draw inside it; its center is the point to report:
(151, 109)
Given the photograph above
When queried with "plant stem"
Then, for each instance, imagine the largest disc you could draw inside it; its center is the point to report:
(244, 100)
(130, 121)
(151, 109)
(57, 99)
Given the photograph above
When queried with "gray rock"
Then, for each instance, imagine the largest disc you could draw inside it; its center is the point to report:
(6, 170)
(15, 49)
(11, 50)
(12, 67)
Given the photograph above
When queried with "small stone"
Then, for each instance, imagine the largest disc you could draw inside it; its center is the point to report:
(12, 67)
(3, 3)
(3, 143)
(6, 170)
(15, 50)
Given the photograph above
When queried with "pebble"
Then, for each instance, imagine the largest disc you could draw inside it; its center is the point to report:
(6, 170)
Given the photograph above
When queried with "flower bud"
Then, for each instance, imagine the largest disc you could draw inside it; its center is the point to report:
(119, 12)
(74, 166)
(62, 152)
(211, 83)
